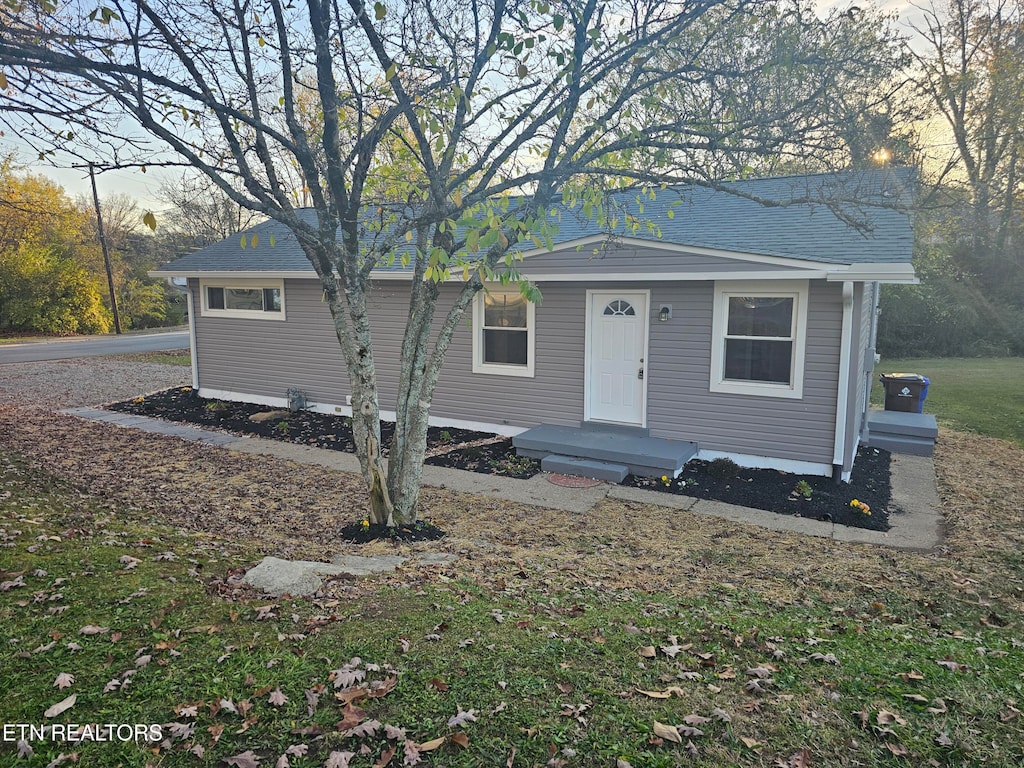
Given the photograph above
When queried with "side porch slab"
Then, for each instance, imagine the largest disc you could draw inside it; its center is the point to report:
(633, 450)
(899, 432)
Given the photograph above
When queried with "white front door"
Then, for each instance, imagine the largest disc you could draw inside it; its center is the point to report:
(617, 347)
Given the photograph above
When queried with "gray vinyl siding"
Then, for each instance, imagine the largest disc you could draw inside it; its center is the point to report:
(265, 358)
(680, 404)
(635, 260)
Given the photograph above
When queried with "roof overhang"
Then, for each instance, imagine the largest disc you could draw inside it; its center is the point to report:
(247, 274)
(776, 267)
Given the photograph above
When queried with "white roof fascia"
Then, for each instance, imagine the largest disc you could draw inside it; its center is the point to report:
(900, 272)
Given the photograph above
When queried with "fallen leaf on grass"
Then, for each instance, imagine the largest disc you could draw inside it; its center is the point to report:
(668, 732)
(911, 675)
(339, 759)
(917, 698)
(897, 749)
(92, 629)
(885, 717)
(64, 680)
(752, 744)
(648, 652)
(385, 757)
(952, 666)
(430, 746)
(461, 739)
(277, 698)
(938, 707)
(668, 693)
(943, 739)
(462, 718)
(61, 706)
(247, 759)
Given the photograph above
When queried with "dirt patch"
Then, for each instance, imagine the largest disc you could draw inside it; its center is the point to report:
(296, 511)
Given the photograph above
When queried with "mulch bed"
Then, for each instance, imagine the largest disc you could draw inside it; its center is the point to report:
(421, 530)
(447, 444)
(817, 498)
(812, 497)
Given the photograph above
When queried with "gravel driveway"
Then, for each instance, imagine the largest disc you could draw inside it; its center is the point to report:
(85, 381)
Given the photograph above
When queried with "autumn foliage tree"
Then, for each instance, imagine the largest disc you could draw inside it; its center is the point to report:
(456, 122)
(44, 284)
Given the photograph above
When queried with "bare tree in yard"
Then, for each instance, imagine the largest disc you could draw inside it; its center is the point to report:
(436, 133)
(972, 72)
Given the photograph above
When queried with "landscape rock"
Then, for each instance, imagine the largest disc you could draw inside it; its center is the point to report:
(259, 418)
(304, 577)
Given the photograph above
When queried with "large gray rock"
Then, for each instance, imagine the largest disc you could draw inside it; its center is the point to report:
(304, 577)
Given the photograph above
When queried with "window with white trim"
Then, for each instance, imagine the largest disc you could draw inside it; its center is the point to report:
(260, 299)
(503, 333)
(759, 337)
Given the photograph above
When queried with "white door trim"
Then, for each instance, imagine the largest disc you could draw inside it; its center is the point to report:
(594, 295)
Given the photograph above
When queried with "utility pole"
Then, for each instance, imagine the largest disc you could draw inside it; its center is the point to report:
(106, 253)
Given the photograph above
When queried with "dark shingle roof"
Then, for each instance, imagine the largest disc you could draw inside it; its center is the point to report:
(854, 217)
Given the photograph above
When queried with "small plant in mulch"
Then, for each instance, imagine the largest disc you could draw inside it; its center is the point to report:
(364, 532)
(802, 490)
(723, 468)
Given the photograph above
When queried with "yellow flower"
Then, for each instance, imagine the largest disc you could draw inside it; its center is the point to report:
(854, 503)
(366, 523)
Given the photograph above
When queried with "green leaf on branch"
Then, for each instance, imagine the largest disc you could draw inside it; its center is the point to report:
(149, 219)
(379, 11)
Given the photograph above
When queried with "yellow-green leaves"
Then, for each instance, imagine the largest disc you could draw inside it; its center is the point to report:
(106, 15)
(3, 82)
(379, 11)
(149, 219)
(243, 241)
(254, 241)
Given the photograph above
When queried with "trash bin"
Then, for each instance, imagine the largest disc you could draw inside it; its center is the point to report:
(905, 391)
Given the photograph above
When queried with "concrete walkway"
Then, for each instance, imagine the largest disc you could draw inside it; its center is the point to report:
(918, 527)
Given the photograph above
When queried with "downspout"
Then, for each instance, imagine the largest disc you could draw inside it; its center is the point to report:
(843, 392)
(191, 305)
(869, 362)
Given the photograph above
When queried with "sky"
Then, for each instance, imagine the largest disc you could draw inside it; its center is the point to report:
(144, 187)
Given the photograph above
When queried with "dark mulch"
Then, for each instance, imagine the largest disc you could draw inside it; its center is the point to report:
(492, 459)
(821, 499)
(421, 530)
(319, 430)
(770, 490)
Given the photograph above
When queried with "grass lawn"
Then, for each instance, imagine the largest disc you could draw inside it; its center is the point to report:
(170, 357)
(672, 641)
(982, 395)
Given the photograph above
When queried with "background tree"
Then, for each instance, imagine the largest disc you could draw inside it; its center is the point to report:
(969, 70)
(45, 285)
(493, 107)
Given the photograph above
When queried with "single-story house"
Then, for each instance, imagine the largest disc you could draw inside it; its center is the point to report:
(727, 328)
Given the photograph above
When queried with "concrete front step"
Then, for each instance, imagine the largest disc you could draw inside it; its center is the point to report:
(642, 455)
(598, 470)
(914, 446)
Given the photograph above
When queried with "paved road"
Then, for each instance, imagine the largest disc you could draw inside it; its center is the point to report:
(92, 346)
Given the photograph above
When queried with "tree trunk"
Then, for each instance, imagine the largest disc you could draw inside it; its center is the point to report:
(410, 443)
